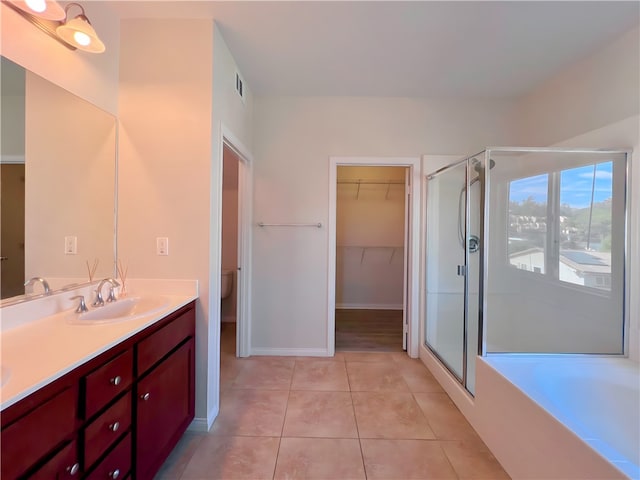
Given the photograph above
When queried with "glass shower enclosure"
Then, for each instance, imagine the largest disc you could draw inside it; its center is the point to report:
(455, 197)
(526, 253)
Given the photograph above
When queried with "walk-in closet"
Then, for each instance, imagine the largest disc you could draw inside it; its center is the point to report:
(370, 258)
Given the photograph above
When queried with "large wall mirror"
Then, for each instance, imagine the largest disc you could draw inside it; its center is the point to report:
(57, 186)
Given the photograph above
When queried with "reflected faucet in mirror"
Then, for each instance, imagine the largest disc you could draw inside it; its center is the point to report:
(34, 280)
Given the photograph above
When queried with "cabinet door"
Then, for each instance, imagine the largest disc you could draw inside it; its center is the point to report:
(165, 407)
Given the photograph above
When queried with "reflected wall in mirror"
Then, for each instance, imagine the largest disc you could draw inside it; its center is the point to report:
(57, 183)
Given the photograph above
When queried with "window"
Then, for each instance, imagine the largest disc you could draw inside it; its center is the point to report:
(528, 222)
(575, 247)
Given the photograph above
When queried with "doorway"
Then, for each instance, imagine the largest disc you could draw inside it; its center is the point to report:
(235, 245)
(373, 245)
(370, 259)
(12, 185)
(230, 234)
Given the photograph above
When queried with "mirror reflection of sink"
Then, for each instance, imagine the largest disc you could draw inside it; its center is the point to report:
(5, 373)
(120, 311)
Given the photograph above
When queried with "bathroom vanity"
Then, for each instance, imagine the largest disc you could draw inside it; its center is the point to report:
(116, 415)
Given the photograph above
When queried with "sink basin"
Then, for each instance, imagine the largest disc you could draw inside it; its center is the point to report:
(121, 310)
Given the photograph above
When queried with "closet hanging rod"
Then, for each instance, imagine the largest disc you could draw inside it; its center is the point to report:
(263, 224)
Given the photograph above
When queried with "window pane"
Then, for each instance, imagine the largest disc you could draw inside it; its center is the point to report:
(528, 222)
(585, 225)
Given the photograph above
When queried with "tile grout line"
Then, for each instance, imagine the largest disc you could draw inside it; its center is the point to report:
(355, 419)
(284, 419)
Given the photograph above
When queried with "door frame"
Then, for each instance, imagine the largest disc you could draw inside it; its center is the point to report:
(413, 274)
(245, 214)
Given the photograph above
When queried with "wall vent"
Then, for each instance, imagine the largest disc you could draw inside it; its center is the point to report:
(240, 86)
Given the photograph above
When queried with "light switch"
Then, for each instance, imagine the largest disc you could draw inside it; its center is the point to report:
(71, 245)
(162, 246)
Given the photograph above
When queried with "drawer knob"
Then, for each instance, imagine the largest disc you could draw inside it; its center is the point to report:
(115, 474)
(114, 426)
(73, 469)
(145, 396)
(116, 380)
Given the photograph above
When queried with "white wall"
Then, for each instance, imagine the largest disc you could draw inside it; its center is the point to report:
(599, 90)
(233, 115)
(165, 156)
(176, 90)
(370, 229)
(91, 76)
(294, 138)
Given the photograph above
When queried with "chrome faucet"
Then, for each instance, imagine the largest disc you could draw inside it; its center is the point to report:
(82, 307)
(34, 280)
(99, 302)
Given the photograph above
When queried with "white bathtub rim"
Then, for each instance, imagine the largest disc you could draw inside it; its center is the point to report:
(605, 451)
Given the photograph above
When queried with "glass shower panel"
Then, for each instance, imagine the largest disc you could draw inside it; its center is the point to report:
(556, 237)
(445, 299)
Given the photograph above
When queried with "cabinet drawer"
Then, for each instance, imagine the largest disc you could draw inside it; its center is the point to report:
(116, 464)
(106, 382)
(33, 436)
(63, 466)
(164, 340)
(106, 429)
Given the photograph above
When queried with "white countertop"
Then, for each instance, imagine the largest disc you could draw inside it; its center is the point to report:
(43, 350)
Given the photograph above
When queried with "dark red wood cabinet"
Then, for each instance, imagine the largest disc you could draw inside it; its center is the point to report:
(164, 409)
(117, 416)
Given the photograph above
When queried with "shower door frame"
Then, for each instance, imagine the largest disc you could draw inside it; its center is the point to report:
(462, 380)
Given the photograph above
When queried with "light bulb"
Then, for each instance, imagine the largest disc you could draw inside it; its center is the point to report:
(82, 38)
(37, 5)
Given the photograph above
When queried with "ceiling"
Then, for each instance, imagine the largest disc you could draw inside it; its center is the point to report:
(447, 49)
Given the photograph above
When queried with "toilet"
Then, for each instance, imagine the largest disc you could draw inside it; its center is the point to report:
(226, 285)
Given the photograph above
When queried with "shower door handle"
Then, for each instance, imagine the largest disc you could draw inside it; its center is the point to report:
(462, 270)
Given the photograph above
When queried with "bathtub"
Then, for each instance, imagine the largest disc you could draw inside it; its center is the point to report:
(597, 399)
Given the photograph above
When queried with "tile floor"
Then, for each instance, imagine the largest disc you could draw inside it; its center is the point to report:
(354, 416)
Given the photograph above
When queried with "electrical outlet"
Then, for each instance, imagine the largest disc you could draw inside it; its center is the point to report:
(71, 245)
(162, 246)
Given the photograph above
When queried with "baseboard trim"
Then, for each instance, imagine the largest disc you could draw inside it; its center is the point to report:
(368, 306)
(203, 425)
(291, 352)
(199, 425)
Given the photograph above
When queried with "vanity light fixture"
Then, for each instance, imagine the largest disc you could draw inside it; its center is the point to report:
(78, 31)
(72, 32)
(45, 9)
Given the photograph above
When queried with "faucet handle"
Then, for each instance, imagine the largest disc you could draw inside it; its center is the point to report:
(112, 295)
(82, 307)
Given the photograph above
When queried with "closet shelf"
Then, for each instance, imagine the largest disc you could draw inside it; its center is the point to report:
(361, 181)
(368, 247)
